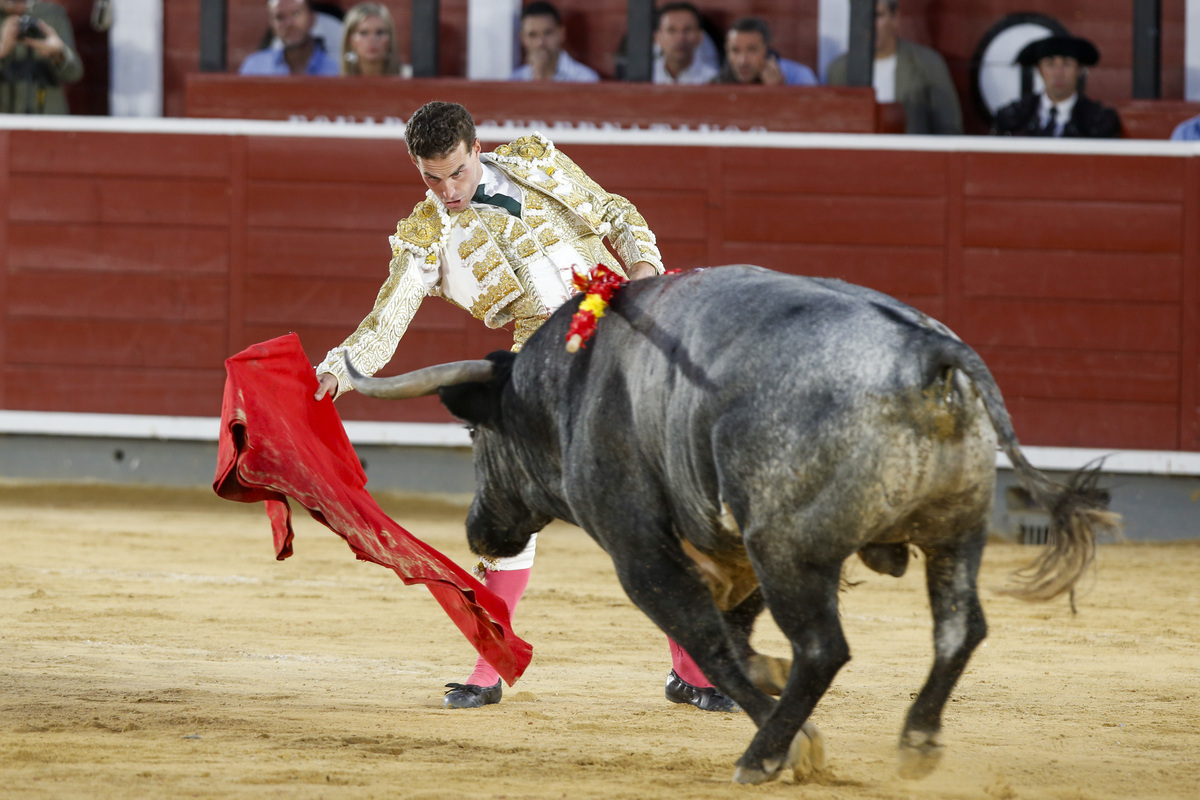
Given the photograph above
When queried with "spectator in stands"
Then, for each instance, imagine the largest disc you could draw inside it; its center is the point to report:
(910, 74)
(37, 56)
(369, 42)
(1187, 131)
(678, 34)
(750, 59)
(542, 40)
(292, 21)
(1062, 109)
(327, 29)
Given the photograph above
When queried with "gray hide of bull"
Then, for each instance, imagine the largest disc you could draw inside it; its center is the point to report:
(730, 436)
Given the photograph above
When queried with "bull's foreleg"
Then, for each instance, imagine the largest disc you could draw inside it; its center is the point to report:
(958, 628)
(803, 600)
(668, 588)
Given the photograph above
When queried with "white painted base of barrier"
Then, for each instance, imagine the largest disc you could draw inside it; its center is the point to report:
(419, 434)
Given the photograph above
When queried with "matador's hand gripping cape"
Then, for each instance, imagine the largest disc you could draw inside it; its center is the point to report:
(277, 442)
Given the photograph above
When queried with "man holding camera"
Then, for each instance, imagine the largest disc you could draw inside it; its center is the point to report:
(37, 57)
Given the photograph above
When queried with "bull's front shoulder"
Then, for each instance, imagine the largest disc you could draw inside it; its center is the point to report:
(423, 233)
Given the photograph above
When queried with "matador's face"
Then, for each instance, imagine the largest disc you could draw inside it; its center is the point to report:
(453, 177)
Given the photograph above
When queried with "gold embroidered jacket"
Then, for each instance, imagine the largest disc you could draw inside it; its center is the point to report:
(499, 267)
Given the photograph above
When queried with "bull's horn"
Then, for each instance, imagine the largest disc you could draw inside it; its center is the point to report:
(420, 383)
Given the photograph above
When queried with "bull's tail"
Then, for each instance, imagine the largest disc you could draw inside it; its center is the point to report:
(1078, 510)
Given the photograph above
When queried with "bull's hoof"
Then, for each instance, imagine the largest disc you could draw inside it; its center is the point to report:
(769, 673)
(805, 758)
(920, 754)
(752, 776)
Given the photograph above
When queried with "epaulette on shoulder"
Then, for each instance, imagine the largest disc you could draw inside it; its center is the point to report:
(421, 231)
(534, 149)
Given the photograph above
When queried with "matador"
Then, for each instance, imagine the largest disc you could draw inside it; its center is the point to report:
(501, 234)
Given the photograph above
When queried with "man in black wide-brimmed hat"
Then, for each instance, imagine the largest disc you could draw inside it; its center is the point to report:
(1061, 110)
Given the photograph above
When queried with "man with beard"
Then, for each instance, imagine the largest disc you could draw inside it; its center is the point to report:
(750, 59)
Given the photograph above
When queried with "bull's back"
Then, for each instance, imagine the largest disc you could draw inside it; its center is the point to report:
(741, 335)
(778, 392)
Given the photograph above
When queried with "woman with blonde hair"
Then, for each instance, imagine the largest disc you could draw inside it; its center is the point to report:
(369, 42)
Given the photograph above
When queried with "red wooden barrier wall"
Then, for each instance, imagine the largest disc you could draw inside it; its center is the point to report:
(133, 263)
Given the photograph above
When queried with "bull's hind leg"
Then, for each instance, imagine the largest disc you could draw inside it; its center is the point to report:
(768, 673)
(958, 628)
(803, 600)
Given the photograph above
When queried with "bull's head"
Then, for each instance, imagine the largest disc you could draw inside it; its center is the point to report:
(501, 519)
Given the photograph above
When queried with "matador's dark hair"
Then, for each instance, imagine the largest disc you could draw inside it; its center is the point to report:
(436, 128)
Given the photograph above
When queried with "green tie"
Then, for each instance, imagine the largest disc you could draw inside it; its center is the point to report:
(499, 200)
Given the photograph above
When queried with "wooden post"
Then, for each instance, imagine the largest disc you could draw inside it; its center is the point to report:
(214, 15)
(425, 38)
(860, 59)
(639, 41)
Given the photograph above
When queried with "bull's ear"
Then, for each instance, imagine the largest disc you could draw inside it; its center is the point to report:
(479, 403)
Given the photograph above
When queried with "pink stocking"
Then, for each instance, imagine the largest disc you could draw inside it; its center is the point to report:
(509, 585)
(684, 667)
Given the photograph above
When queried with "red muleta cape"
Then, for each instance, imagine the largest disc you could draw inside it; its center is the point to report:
(277, 442)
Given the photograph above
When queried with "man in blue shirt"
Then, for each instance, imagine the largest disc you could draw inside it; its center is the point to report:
(545, 59)
(750, 59)
(1187, 131)
(292, 22)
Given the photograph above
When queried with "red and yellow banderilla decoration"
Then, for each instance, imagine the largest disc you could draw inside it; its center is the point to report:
(599, 287)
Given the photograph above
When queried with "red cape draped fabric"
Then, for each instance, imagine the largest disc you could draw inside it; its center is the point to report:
(277, 442)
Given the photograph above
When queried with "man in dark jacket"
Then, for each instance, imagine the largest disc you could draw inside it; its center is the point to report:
(907, 73)
(1062, 109)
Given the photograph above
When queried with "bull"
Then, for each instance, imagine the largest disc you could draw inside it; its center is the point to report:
(730, 437)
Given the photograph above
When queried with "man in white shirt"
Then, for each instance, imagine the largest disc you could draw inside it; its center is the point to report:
(678, 34)
(1061, 110)
(542, 39)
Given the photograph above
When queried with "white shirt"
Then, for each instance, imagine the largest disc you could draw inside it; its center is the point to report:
(567, 69)
(884, 79)
(496, 182)
(1061, 115)
(697, 72)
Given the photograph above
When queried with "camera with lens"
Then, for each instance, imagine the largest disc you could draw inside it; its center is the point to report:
(28, 28)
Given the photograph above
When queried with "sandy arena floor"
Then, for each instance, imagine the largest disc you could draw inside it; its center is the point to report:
(151, 647)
